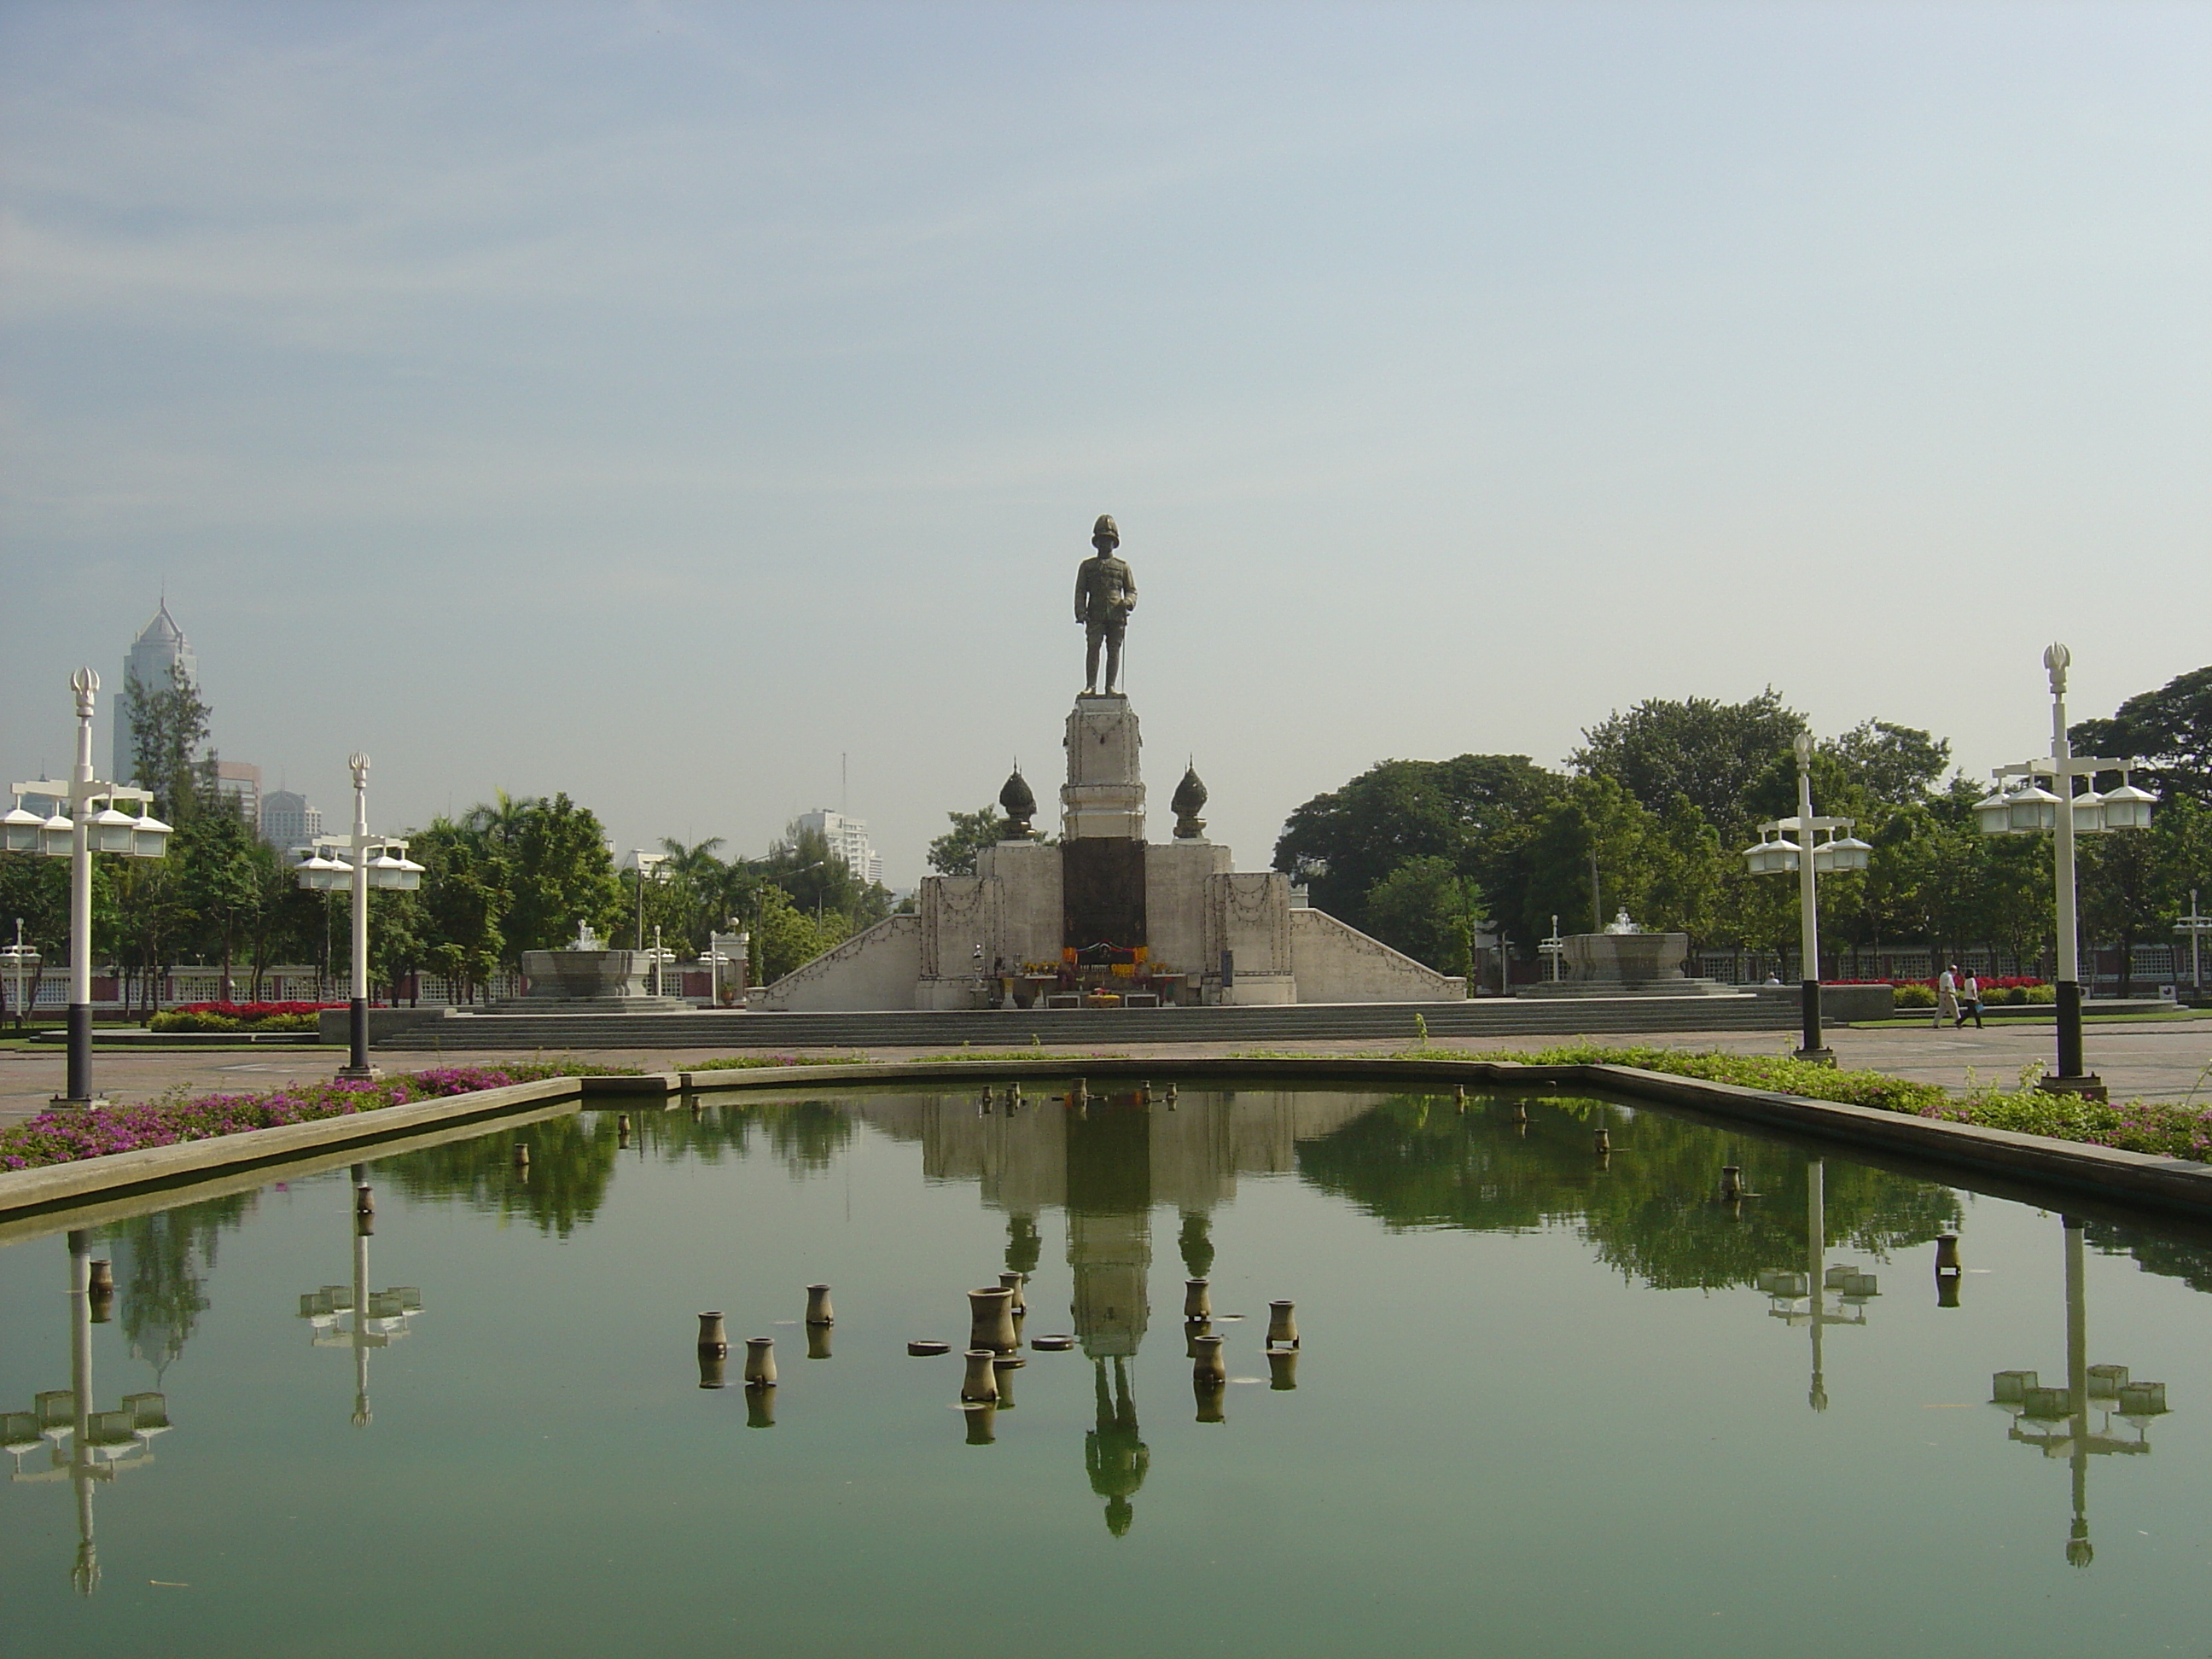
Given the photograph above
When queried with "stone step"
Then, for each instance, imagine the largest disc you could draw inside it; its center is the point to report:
(994, 1028)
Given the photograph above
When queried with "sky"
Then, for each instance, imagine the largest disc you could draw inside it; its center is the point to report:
(701, 408)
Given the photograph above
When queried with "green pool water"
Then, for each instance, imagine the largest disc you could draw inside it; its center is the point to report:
(1543, 1403)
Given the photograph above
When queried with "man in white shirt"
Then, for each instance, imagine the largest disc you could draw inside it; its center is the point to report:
(1946, 996)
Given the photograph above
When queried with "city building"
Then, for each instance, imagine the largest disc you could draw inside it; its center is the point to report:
(240, 781)
(848, 839)
(287, 820)
(160, 645)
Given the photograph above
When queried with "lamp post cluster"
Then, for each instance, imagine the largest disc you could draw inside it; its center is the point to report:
(100, 1444)
(95, 822)
(1775, 853)
(356, 863)
(372, 1319)
(2019, 804)
(2056, 1421)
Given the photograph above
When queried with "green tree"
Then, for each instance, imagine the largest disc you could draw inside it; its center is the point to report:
(219, 877)
(2171, 728)
(953, 853)
(1429, 910)
(561, 874)
(168, 732)
(1595, 826)
(35, 890)
(786, 937)
(1467, 810)
(1894, 764)
(1712, 752)
(464, 897)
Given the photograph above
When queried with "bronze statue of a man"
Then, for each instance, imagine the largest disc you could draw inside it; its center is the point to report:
(1105, 594)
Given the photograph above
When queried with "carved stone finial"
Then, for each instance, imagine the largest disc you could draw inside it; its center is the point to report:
(1020, 805)
(1188, 802)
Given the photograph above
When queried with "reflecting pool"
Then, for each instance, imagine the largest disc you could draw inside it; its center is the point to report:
(1707, 1391)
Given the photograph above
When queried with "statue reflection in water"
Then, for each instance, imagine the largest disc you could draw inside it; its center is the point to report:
(355, 1317)
(1109, 1164)
(86, 1447)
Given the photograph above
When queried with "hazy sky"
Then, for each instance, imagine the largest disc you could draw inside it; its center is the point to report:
(658, 401)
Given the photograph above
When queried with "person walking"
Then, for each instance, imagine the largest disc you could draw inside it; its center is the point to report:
(1946, 996)
(1970, 1002)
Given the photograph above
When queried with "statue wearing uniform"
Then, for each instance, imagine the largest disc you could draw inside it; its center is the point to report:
(1105, 594)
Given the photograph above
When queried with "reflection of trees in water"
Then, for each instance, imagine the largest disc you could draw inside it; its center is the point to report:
(2169, 1258)
(572, 1157)
(163, 1263)
(1653, 1211)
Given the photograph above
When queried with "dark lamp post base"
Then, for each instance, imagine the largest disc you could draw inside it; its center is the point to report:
(2087, 1085)
(71, 1103)
(1814, 1056)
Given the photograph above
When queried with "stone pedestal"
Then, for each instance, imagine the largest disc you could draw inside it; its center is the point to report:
(612, 981)
(1104, 794)
(1625, 965)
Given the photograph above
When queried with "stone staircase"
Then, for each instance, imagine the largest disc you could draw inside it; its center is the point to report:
(1380, 1023)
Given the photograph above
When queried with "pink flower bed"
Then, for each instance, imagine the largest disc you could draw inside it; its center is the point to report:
(64, 1134)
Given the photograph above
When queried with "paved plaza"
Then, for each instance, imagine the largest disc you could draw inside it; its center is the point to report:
(2156, 1060)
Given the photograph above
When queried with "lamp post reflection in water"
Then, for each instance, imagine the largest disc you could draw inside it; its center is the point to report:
(2060, 1417)
(372, 1320)
(98, 1445)
(1802, 1298)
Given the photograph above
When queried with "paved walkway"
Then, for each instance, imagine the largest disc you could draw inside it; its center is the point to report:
(2163, 1060)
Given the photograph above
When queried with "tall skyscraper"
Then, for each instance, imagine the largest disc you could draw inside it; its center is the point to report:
(848, 839)
(160, 644)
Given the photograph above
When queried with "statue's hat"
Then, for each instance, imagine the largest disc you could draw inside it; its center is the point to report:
(1104, 530)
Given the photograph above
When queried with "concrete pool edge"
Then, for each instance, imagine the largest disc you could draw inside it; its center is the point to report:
(2172, 1185)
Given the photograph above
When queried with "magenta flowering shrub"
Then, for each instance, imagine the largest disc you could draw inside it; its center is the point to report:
(64, 1134)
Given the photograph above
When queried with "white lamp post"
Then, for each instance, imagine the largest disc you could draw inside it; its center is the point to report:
(1774, 853)
(2028, 808)
(359, 862)
(96, 824)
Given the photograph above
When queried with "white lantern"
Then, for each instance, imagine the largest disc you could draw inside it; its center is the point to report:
(321, 875)
(1843, 853)
(2089, 813)
(387, 870)
(1993, 813)
(150, 837)
(1771, 856)
(19, 830)
(2031, 809)
(2127, 807)
(112, 831)
(58, 837)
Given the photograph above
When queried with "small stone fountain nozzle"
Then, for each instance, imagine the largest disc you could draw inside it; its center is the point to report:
(1731, 1183)
(760, 1362)
(991, 1319)
(1282, 1325)
(1011, 1283)
(1197, 1299)
(714, 1335)
(980, 1380)
(818, 1305)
